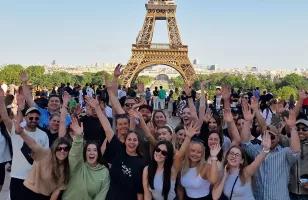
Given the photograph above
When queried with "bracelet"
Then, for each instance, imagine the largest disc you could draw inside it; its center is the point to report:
(214, 158)
(265, 151)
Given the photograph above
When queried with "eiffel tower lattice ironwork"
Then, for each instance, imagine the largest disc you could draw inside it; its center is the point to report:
(145, 53)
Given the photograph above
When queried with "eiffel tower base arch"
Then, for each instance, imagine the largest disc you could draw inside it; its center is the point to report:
(141, 59)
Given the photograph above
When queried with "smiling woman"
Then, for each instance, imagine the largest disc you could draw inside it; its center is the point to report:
(85, 168)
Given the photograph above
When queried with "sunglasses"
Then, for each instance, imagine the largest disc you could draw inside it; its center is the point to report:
(163, 152)
(129, 104)
(237, 155)
(34, 118)
(66, 149)
(302, 129)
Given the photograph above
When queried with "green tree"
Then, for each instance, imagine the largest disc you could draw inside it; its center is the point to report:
(36, 75)
(10, 73)
(286, 91)
(146, 80)
(178, 82)
(294, 80)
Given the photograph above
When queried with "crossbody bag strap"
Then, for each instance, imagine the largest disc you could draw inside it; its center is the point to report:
(233, 187)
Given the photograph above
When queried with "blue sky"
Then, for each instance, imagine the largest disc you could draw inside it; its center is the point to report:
(263, 33)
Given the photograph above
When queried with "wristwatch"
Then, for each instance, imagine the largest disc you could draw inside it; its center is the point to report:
(266, 151)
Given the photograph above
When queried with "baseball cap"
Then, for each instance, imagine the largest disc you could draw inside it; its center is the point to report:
(32, 110)
(302, 121)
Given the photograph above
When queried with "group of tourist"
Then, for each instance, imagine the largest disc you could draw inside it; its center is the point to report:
(115, 144)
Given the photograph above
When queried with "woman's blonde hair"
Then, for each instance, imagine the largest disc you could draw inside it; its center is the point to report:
(186, 163)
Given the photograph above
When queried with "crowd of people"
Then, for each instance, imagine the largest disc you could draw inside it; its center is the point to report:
(117, 143)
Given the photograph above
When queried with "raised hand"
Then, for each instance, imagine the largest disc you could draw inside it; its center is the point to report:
(24, 76)
(248, 115)
(191, 130)
(266, 141)
(20, 101)
(134, 114)
(226, 92)
(187, 90)
(254, 104)
(291, 120)
(66, 97)
(91, 101)
(117, 71)
(18, 129)
(228, 117)
(208, 115)
(76, 128)
(214, 151)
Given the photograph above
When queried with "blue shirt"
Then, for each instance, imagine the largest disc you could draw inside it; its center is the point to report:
(44, 118)
(271, 179)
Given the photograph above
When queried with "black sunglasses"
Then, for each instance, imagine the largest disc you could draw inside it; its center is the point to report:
(66, 149)
(302, 129)
(129, 104)
(163, 152)
(34, 118)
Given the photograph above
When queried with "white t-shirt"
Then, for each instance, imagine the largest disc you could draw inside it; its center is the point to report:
(121, 93)
(4, 150)
(20, 166)
(108, 111)
(90, 91)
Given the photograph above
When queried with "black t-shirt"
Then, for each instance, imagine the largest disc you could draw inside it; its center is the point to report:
(51, 136)
(93, 130)
(155, 93)
(125, 173)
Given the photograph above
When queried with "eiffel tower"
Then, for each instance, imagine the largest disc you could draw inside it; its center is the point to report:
(145, 53)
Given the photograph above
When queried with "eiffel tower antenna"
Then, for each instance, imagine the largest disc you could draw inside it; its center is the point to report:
(145, 53)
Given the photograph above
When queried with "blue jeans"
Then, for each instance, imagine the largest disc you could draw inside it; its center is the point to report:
(298, 196)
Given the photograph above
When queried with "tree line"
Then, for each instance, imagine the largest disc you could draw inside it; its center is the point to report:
(281, 87)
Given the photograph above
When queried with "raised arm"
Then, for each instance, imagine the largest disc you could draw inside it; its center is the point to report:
(211, 171)
(251, 169)
(143, 126)
(26, 90)
(255, 107)
(102, 118)
(191, 105)
(178, 158)
(3, 112)
(202, 105)
(111, 88)
(218, 187)
(63, 112)
(291, 123)
(248, 116)
(232, 129)
(75, 155)
(39, 151)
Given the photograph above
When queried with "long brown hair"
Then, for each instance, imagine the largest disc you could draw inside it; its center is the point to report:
(57, 174)
(242, 165)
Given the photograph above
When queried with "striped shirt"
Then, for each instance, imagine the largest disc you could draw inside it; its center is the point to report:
(271, 179)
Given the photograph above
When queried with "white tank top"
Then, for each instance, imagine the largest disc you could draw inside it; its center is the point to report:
(195, 186)
(158, 188)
